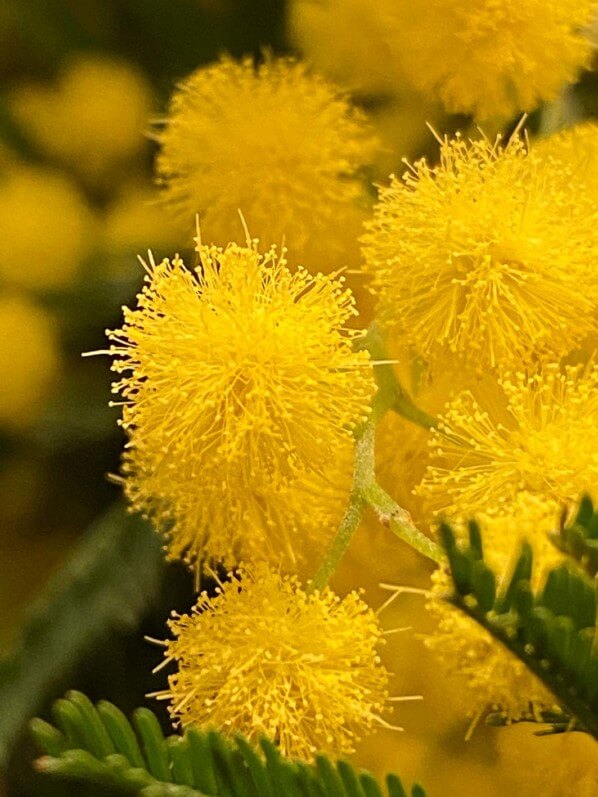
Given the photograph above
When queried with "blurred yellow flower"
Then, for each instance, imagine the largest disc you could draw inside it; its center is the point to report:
(494, 58)
(276, 142)
(543, 442)
(489, 255)
(493, 677)
(353, 45)
(264, 658)
(92, 120)
(490, 58)
(350, 42)
(29, 360)
(240, 391)
(136, 221)
(46, 229)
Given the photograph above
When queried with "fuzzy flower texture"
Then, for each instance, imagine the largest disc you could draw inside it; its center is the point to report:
(495, 57)
(240, 392)
(490, 255)
(276, 141)
(264, 658)
(542, 440)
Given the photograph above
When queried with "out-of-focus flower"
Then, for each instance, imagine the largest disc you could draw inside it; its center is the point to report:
(264, 658)
(544, 442)
(350, 43)
(493, 677)
(489, 255)
(489, 58)
(354, 46)
(46, 229)
(240, 391)
(494, 58)
(92, 120)
(276, 142)
(136, 221)
(29, 360)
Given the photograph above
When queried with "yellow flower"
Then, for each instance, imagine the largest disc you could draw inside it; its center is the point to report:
(240, 392)
(264, 658)
(46, 229)
(577, 149)
(542, 440)
(346, 41)
(276, 142)
(495, 678)
(29, 360)
(494, 57)
(93, 119)
(490, 255)
(136, 220)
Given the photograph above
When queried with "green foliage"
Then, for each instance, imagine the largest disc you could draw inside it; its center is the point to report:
(98, 744)
(552, 630)
(106, 585)
(580, 539)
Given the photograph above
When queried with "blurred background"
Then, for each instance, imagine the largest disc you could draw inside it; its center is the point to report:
(81, 83)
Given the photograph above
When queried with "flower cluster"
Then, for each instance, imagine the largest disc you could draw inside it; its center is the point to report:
(243, 382)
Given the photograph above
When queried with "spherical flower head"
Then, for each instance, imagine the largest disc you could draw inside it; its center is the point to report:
(48, 203)
(265, 658)
(494, 678)
(489, 255)
(92, 120)
(241, 390)
(275, 141)
(495, 58)
(542, 440)
(29, 361)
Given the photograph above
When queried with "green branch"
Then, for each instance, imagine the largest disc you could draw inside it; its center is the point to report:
(365, 490)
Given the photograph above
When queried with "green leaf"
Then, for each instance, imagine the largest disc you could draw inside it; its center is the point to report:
(196, 764)
(106, 584)
(552, 631)
(580, 539)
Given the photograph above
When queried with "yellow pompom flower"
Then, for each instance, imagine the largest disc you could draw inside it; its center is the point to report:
(494, 58)
(29, 360)
(276, 142)
(489, 255)
(240, 392)
(264, 658)
(92, 120)
(542, 440)
(46, 229)
(494, 678)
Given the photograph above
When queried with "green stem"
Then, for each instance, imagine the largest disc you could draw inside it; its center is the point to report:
(396, 397)
(340, 543)
(366, 491)
(398, 520)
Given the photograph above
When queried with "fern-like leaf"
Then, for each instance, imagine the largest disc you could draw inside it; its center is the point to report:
(98, 744)
(552, 630)
(580, 539)
(106, 584)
